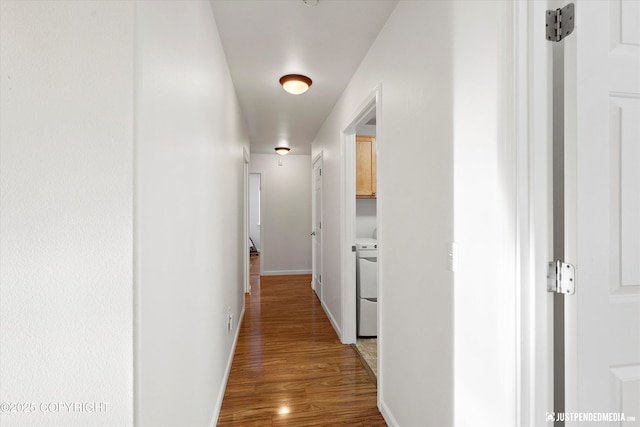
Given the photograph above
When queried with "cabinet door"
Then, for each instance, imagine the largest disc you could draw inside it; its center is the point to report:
(365, 166)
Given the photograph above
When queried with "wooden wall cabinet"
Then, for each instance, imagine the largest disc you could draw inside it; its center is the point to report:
(365, 167)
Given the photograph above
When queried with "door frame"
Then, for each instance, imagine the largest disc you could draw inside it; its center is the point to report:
(533, 138)
(245, 256)
(318, 158)
(534, 191)
(372, 102)
(261, 181)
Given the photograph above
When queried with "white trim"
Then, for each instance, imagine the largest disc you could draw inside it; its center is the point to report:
(318, 158)
(263, 246)
(261, 175)
(227, 371)
(347, 238)
(524, 380)
(532, 89)
(285, 272)
(335, 325)
(347, 219)
(380, 237)
(245, 256)
(510, 183)
(348, 214)
(387, 415)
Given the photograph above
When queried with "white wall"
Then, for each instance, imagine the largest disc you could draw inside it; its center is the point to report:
(366, 220)
(121, 187)
(411, 58)
(484, 154)
(286, 212)
(254, 208)
(369, 130)
(427, 85)
(190, 203)
(66, 210)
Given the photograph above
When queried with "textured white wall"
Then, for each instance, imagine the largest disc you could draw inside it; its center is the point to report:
(431, 67)
(190, 202)
(369, 130)
(66, 210)
(366, 217)
(411, 58)
(484, 200)
(286, 212)
(96, 208)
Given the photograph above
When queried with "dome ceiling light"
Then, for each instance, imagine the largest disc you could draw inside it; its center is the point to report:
(282, 150)
(295, 83)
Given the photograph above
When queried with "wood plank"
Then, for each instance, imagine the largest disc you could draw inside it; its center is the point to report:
(290, 368)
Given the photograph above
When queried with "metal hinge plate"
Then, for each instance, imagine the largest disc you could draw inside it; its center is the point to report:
(561, 278)
(560, 23)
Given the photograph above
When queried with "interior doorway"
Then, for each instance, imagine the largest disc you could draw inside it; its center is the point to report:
(255, 221)
(316, 233)
(367, 115)
(366, 245)
(245, 255)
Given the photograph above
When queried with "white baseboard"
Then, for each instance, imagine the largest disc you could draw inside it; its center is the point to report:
(223, 387)
(386, 414)
(285, 272)
(332, 320)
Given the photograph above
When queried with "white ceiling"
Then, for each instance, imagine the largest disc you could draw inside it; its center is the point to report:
(266, 39)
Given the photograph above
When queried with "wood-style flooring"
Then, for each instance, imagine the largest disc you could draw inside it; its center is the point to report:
(290, 368)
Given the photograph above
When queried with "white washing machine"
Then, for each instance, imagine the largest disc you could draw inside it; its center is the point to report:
(367, 286)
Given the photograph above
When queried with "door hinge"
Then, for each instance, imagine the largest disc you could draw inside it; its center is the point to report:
(561, 278)
(320, 172)
(560, 23)
(353, 248)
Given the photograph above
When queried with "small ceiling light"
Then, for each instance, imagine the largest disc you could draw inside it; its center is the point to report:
(310, 2)
(282, 150)
(295, 83)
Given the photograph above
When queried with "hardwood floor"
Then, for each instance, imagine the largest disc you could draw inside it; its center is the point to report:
(290, 368)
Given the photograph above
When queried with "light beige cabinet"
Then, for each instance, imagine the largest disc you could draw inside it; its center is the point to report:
(365, 167)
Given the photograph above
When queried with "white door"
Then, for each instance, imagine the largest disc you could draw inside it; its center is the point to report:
(316, 233)
(602, 319)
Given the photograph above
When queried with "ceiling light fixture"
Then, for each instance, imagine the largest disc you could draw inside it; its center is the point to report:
(295, 83)
(282, 150)
(310, 2)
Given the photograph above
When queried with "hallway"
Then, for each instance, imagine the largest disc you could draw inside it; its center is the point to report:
(289, 367)
(129, 130)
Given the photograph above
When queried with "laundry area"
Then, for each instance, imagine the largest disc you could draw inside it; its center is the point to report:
(367, 285)
(366, 231)
(366, 245)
